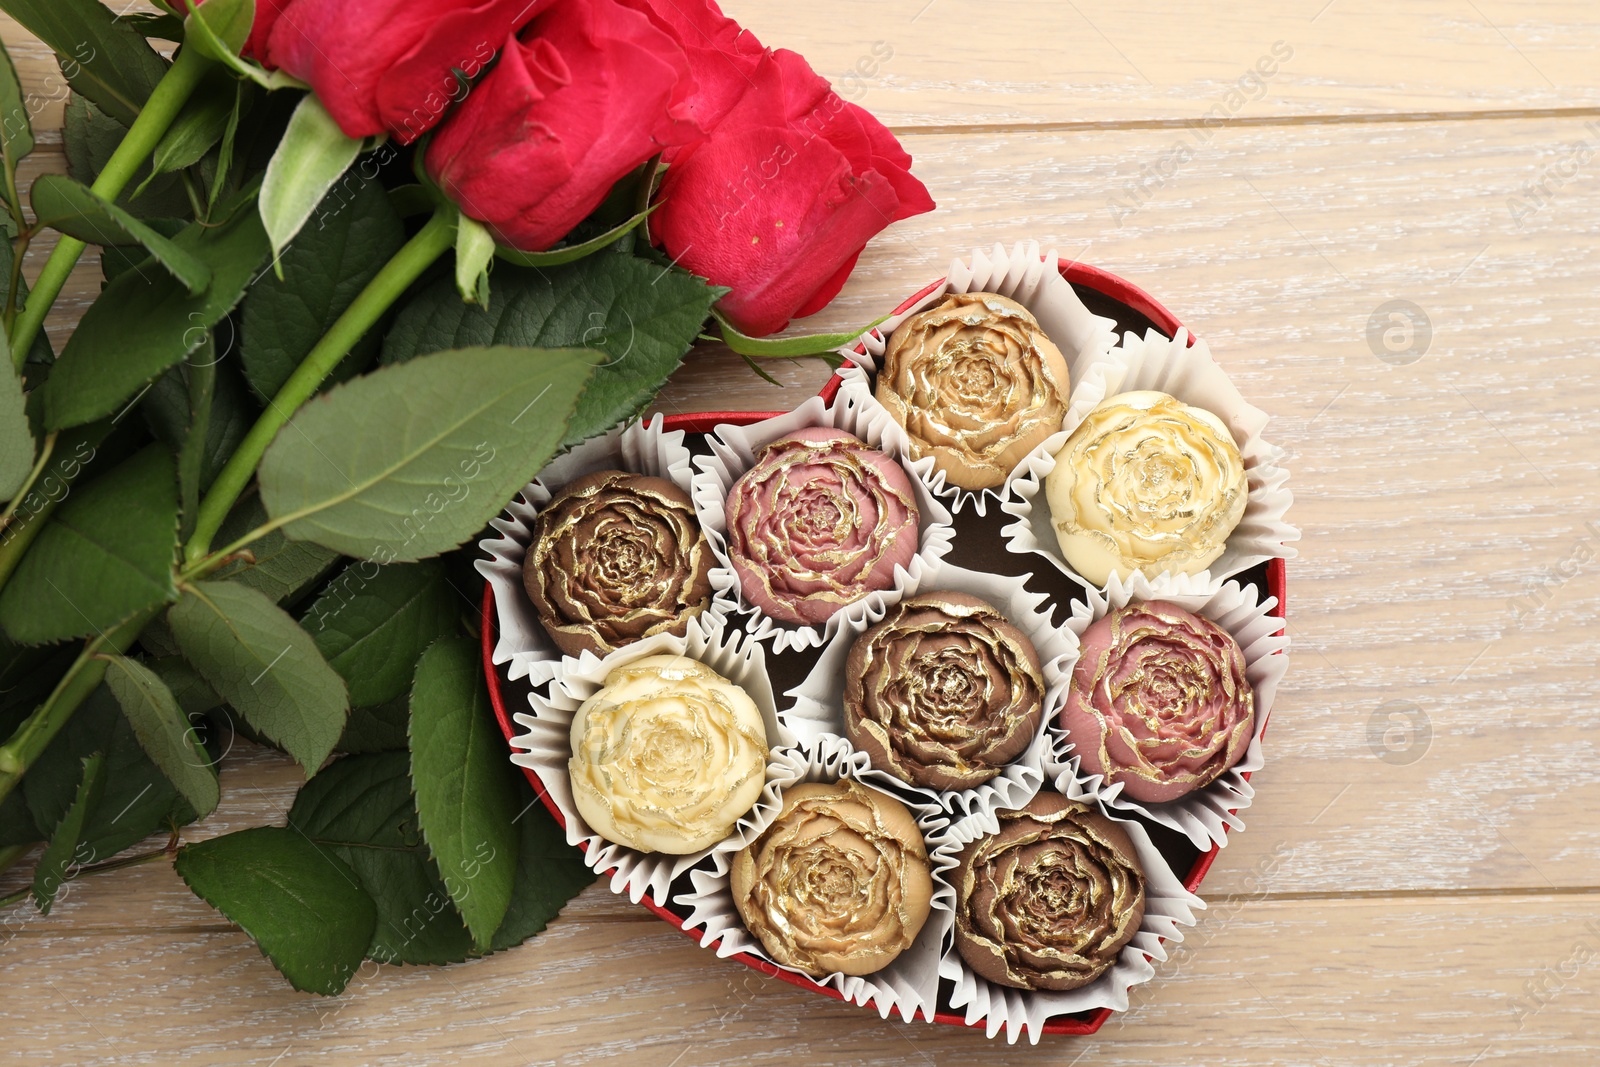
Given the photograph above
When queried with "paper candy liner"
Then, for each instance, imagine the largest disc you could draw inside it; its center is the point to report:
(546, 746)
(640, 448)
(818, 708)
(910, 984)
(1191, 375)
(1205, 815)
(1032, 280)
(1167, 908)
(733, 451)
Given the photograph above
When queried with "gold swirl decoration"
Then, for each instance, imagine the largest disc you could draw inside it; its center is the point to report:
(1159, 701)
(667, 756)
(616, 557)
(839, 883)
(944, 692)
(976, 384)
(1048, 901)
(1146, 484)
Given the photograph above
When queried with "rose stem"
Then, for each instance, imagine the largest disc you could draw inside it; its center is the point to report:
(86, 672)
(166, 100)
(418, 254)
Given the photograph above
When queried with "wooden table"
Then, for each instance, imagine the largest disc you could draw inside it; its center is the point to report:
(1422, 897)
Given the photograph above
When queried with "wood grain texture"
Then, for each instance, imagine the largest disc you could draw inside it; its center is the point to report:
(1426, 912)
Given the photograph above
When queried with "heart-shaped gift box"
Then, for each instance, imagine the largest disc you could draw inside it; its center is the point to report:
(1104, 295)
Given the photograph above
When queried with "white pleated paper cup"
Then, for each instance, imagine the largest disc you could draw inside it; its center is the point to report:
(733, 452)
(1168, 908)
(1031, 278)
(1206, 815)
(816, 710)
(1189, 373)
(909, 985)
(545, 746)
(639, 448)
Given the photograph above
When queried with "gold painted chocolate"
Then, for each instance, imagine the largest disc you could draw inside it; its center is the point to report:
(944, 692)
(667, 757)
(1160, 701)
(1049, 900)
(839, 883)
(1148, 484)
(976, 384)
(616, 557)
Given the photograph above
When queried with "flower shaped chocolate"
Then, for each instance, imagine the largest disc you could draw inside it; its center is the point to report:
(1146, 484)
(840, 883)
(616, 557)
(667, 756)
(819, 522)
(944, 692)
(1048, 901)
(976, 384)
(1159, 701)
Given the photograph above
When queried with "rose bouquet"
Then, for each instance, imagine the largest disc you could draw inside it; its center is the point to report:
(369, 265)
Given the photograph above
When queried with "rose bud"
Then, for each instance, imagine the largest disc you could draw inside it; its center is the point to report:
(976, 385)
(838, 884)
(667, 757)
(780, 200)
(819, 522)
(944, 692)
(1146, 484)
(591, 91)
(388, 66)
(1159, 701)
(615, 558)
(1048, 901)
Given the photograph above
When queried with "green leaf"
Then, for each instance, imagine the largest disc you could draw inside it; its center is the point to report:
(219, 28)
(641, 317)
(142, 324)
(16, 130)
(62, 851)
(303, 907)
(16, 435)
(312, 156)
(73, 208)
(105, 555)
(327, 266)
(90, 137)
(192, 692)
(377, 729)
(164, 731)
(260, 661)
(474, 252)
(282, 569)
(550, 872)
(411, 461)
(170, 413)
(103, 57)
(41, 353)
(136, 800)
(372, 623)
(555, 257)
(465, 785)
(360, 809)
(811, 344)
(198, 127)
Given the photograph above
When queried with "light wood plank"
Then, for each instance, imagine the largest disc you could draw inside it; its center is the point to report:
(1430, 981)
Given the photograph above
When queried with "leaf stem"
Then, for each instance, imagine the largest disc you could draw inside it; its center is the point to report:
(432, 241)
(45, 450)
(157, 115)
(166, 850)
(86, 672)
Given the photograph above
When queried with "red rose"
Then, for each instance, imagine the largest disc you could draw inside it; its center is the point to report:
(722, 54)
(779, 202)
(594, 89)
(387, 66)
